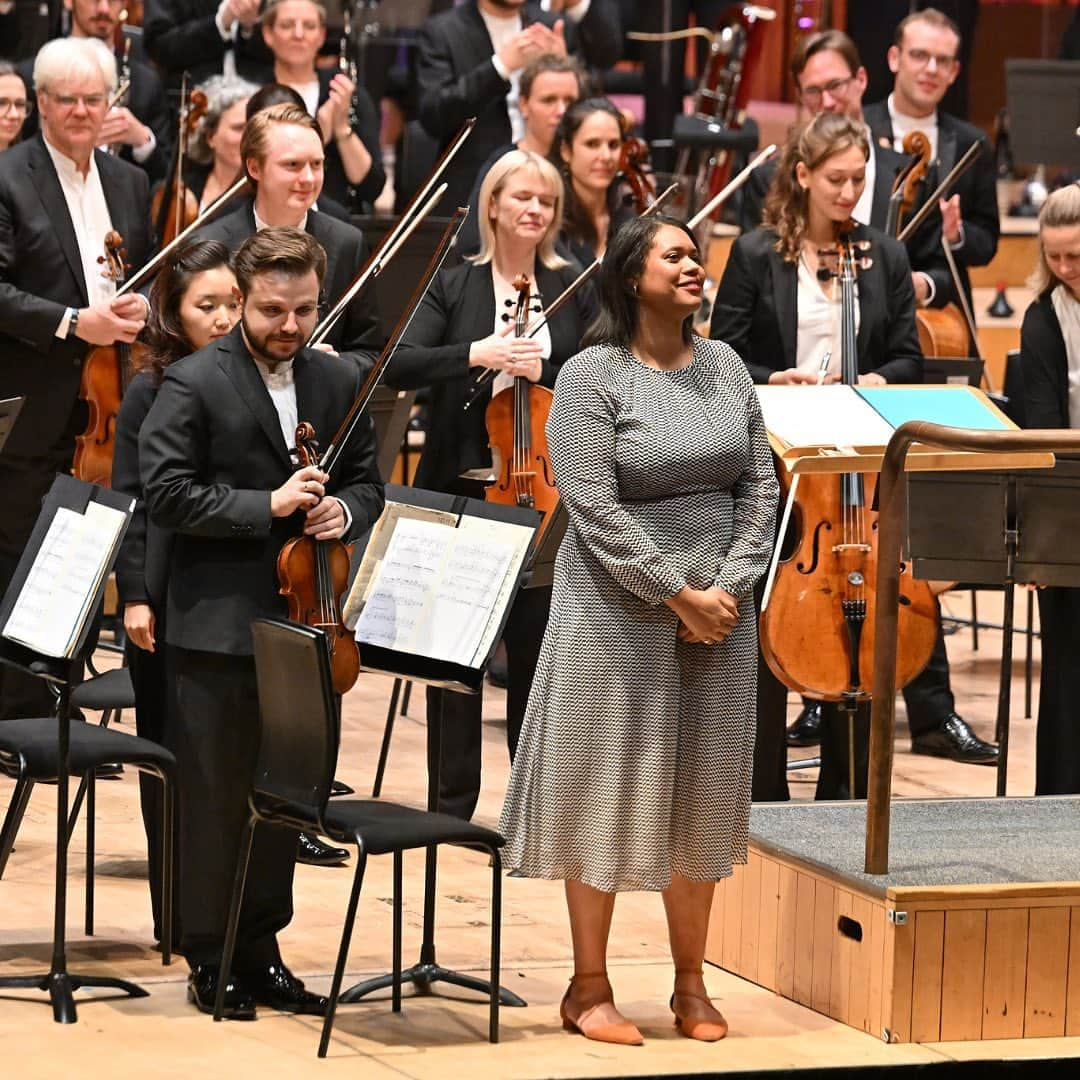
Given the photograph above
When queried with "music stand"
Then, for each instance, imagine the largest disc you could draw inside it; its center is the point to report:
(447, 677)
(58, 982)
(953, 370)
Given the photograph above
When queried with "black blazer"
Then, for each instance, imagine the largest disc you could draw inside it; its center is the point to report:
(147, 102)
(211, 451)
(459, 309)
(356, 334)
(458, 80)
(887, 163)
(1045, 365)
(756, 309)
(142, 565)
(41, 276)
(181, 35)
(977, 189)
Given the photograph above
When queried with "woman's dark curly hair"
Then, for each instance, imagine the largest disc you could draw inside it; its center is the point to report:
(164, 333)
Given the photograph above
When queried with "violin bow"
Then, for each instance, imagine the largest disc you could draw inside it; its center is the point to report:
(729, 189)
(420, 204)
(356, 411)
(931, 204)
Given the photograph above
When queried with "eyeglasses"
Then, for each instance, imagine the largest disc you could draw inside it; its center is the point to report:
(69, 101)
(812, 95)
(18, 106)
(921, 58)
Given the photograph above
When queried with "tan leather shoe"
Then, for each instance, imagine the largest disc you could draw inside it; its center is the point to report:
(587, 1023)
(697, 1027)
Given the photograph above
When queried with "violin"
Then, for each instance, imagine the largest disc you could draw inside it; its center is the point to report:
(105, 376)
(314, 574)
(174, 206)
(817, 625)
(516, 421)
(942, 331)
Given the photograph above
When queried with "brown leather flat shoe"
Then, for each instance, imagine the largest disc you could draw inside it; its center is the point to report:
(622, 1033)
(697, 1027)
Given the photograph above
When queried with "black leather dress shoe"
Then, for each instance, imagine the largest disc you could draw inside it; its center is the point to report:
(952, 738)
(337, 787)
(203, 987)
(806, 731)
(279, 988)
(311, 850)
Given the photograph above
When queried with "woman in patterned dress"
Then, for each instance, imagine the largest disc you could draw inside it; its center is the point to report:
(633, 770)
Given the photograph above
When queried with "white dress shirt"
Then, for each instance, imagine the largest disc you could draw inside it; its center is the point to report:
(1067, 310)
(818, 324)
(90, 220)
(506, 304)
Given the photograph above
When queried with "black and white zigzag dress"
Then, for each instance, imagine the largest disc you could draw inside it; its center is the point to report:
(636, 755)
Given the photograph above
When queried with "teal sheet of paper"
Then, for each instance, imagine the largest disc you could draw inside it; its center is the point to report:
(951, 406)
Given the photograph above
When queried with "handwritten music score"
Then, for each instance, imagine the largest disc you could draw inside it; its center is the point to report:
(55, 601)
(439, 591)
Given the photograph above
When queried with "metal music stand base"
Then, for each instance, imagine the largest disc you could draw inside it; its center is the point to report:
(61, 987)
(428, 971)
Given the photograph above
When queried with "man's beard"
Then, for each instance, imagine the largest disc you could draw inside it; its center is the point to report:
(259, 346)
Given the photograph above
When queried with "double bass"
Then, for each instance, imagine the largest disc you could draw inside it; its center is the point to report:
(516, 421)
(817, 622)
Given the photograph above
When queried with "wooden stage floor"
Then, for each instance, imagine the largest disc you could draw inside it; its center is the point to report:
(437, 1036)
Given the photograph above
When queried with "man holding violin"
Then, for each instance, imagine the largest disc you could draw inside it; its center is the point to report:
(214, 454)
(59, 197)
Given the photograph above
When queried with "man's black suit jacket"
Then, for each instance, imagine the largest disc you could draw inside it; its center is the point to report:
(756, 310)
(887, 163)
(211, 451)
(357, 331)
(181, 35)
(146, 100)
(977, 189)
(41, 275)
(457, 310)
(458, 80)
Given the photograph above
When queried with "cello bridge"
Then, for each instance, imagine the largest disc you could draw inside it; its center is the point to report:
(840, 549)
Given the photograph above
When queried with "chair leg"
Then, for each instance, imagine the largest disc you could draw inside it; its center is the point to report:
(406, 698)
(166, 869)
(80, 793)
(396, 999)
(1029, 645)
(13, 819)
(974, 620)
(242, 860)
(91, 804)
(343, 951)
(388, 731)
(496, 942)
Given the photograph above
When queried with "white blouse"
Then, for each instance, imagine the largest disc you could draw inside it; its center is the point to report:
(818, 323)
(1067, 310)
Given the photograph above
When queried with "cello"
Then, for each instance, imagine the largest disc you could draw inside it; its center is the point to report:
(516, 421)
(817, 620)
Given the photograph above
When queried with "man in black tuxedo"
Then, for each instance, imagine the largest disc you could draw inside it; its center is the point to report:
(830, 77)
(204, 38)
(471, 58)
(283, 153)
(58, 199)
(924, 61)
(214, 455)
(141, 128)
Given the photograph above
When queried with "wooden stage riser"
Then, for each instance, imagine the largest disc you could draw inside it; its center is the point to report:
(967, 963)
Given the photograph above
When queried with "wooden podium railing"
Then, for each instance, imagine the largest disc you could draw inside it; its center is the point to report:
(891, 522)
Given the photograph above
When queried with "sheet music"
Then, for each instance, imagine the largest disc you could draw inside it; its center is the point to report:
(822, 416)
(435, 592)
(54, 602)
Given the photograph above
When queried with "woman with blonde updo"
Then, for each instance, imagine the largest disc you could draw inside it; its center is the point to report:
(784, 322)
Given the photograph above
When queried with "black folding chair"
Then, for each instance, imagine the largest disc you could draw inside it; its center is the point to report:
(295, 767)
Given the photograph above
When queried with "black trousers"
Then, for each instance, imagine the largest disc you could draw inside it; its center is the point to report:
(462, 740)
(929, 697)
(216, 741)
(1057, 734)
(153, 720)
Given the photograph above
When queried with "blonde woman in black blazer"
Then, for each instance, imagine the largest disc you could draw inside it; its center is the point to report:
(761, 311)
(453, 340)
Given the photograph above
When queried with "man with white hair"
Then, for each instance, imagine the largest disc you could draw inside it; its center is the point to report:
(58, 200)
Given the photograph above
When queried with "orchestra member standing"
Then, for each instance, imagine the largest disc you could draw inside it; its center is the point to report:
(633, 770)
(772, 309)
(194, 300)
(459, 335)
(59, 198)
(216, 468)
(1050, 358)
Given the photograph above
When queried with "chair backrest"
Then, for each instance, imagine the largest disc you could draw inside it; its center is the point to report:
(299, 726)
